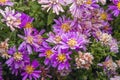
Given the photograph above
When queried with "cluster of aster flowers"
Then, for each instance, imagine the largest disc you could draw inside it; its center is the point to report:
(88, 20)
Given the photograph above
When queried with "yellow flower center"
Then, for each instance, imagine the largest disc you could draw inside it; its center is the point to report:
(28, 25)
(48, 53)
(29, 69)
(18, 56)
(57, 39)
(65, 27)
(72, 42)
(104, 16)
(18, 21)
(118, 5)
(61, 57)
(3, 1)
(106, 28)
(89, 2)
(30, 39)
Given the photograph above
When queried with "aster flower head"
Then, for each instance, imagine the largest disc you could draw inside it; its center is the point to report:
(1, 72)
(82, 26)
(92, 4)
(105, 38)
(31, 40)
(76, 10)
(55, 5)
(114, 46)
(54, 38)
(3, 49)
(63, 24)
(115, 8)
(79, 6)
(6, 2)
(11, 18)
(104, 15)
(17, 60)
(47, 52)
(73, 40)
(61, 59)
(97, 19)
(107, 28)
(84, 60)
(26, 21)
(30, 71)
(109, 66)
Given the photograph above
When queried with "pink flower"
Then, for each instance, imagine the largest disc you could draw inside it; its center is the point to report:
(11, 18)
(115, 78)
(56, 5)
(84, 60)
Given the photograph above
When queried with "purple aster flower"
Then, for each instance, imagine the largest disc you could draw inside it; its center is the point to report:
(91, 4)
(114, 46)
(73, 40)
(1, 72)
(47, 52)
(82, 26)
(107, 28)
(31, 40)
(17, 60)
(79, 6)
(96, 19)
(30, 71)
(104, 15)
(54, 38)
(26, 20)
(6, 2)
(11, 18)
(61, 59)
(76, 10)
(62, 24)
(56, 5)
(109, 66)
(115, 8)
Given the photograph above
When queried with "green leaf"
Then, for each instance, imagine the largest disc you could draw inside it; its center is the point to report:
(50, 18)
